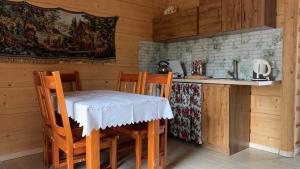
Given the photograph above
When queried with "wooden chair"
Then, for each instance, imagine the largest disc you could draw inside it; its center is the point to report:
(138, 132)
(63, 138)
(129, 82)
(47, 133)
(73, 80)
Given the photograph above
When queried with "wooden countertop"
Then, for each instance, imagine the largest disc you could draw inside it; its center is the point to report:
(230, 82)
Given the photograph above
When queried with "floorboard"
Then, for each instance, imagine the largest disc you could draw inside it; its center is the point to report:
(187, 156)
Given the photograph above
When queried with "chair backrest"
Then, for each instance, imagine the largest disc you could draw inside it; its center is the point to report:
(51, 84)
(129, 82)
(163, 82)
(72, 80)
(40, 95)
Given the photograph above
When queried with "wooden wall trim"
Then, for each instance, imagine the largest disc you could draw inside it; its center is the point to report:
(288, 90)
(264, 148)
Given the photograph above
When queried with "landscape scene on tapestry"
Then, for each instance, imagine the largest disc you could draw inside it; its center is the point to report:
(34, 32)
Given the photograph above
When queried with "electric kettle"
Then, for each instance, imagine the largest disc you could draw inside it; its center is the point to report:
(261, 70)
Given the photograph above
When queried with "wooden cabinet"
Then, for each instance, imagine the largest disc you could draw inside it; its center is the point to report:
(216, 117)
(215, 16)
(246, 14)
(210, 20)
(258, 13)
(226, 117)
(178, 25)
(231, 15)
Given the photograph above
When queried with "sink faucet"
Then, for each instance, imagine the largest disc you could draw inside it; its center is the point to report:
(235, 73)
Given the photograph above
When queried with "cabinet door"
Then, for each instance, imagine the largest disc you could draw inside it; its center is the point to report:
(210, 16)
(216, 117)
(231, 15)
(257, 13)
(177, 25)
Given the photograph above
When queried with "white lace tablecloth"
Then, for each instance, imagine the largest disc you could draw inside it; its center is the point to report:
(102, 108)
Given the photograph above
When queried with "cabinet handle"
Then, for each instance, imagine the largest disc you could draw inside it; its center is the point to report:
(244, 16)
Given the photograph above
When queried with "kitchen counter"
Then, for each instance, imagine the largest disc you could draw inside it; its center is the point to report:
(229, 82)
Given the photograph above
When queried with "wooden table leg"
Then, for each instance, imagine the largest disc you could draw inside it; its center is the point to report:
(92, 150)
(153, 144)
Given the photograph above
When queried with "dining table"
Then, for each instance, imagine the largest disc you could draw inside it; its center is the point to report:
(100, 109)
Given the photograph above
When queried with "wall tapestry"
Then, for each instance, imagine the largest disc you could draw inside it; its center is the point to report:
(33, 33)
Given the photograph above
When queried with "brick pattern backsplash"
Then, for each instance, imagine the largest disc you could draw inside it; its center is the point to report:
(219, 53)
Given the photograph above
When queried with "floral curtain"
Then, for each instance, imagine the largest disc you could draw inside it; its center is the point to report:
(186, 105)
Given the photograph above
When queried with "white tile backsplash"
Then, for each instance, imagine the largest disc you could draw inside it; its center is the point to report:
(219, 52)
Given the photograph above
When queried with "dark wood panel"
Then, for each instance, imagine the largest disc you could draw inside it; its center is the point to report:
(239, 118)
(210, 16)
(231, 15)
(257, 13)
(178, 25)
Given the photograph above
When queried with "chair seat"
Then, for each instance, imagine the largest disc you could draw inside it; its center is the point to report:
(79, 145)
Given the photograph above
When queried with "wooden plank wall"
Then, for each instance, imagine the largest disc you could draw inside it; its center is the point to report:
(265, 106)
(289, 64)
(20, 126)
(265, 116)
(297, 100)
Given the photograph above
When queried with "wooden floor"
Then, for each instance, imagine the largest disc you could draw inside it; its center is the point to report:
(188, 156)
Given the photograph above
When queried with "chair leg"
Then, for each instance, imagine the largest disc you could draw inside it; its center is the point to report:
(55, 156)
(164, 137)
(138, 152)
(45, 152)
(113, 154)
(70, 162)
